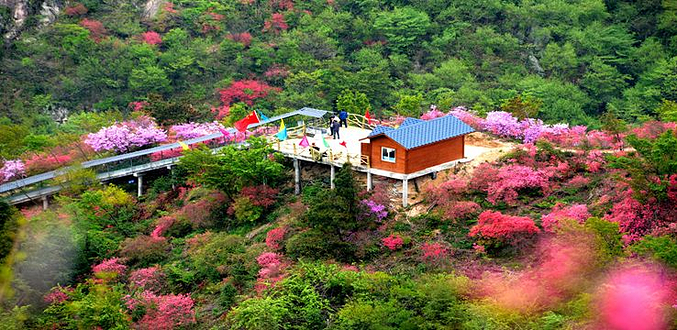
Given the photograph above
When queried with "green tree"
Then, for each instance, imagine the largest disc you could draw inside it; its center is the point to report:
(352, 102)
(149, 79)
(402, 27)
(522, 106)
(667, 111)
(233, 167)
(410, 105)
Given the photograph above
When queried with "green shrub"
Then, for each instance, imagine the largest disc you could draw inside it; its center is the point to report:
(662, 248)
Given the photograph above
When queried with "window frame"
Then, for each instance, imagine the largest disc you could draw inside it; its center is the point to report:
(388, 159)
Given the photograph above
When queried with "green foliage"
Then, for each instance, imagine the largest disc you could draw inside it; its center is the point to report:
(410, 105)
(92, 305)
(609, 242)
(352, 102)
(8, 229)
(661, 248)
(402, 27)
(233, 167)
(667, 111)
(522, 106)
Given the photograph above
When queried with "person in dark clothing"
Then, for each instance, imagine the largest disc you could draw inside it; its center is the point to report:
(343, 116)
(335, 125)
(331, 125)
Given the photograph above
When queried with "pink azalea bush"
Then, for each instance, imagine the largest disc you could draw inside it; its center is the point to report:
(151, 278)
(112, 265)
(151, 38)
(511, 179)
(270, 272)
(578, 212)
(56, 296)
(163, 312)
(433, 252)
(125, 136)
(432, 114)
(393, 242)
(194, 130)
(499, 228)
(12, 169)
(274, 238)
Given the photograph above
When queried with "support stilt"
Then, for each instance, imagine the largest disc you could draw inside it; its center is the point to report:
(139, 186)
(297, 177)
(331, 176)
(405, 192)
(45, 203)
(369, 183)
(171, 175)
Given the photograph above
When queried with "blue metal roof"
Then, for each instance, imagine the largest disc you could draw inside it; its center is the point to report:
(411, 121)
(417, 134)
(380, 129)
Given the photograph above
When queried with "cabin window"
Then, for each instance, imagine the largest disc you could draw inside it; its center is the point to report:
(388, 154)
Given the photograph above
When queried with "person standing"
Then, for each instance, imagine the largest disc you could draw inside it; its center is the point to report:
(335, 125)
(343, 116)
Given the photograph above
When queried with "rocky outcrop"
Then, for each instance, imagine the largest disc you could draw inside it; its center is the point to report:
(151, 8)
(19, 9)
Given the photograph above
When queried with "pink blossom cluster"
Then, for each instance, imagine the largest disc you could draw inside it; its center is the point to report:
(632, 217)
(270, 272)
(112, 265)
(578, 212)
(433, 252)
(529, 130)
(468, 117)
(393, 242)
(194, 130)
(512, 178)
(432, 114)
(150, 278)
(125, 136)
(503, 228)
(163, 312)
(56, 296)
(275, 237)
(12, 169)
(151, 38)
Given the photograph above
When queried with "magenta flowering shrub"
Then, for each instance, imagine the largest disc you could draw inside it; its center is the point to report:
(56, 295)
(275, 237)
(393, 242)
(151, 279)
(373, 209)
(497, 228)
(125, 136)
(12, 169)
(513, 178)
(112, 265)
(432, 114)
(271, 270)
(193, 130)
(468, 117)
(162, 312)
(460, 210)
(433, 252)
(578, 212)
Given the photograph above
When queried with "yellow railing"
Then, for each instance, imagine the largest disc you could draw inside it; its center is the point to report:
(361, 121)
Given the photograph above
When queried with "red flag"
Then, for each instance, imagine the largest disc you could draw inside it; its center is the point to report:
(368, 116)
(243, 123)
(343, 143)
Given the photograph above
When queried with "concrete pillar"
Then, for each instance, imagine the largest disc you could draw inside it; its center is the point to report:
(369, 183)
(45, 203)
(331, 176)
(297, 177)
(171, 175)
(405, 192)
(139, 181)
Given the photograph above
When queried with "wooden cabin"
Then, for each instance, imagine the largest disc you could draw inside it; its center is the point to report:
(416, 144)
